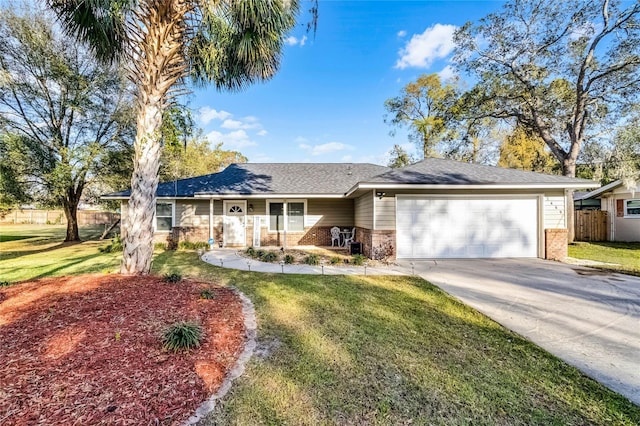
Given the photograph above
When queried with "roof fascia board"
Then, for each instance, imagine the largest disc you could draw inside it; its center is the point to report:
(277, 196)
(602, 190)
(470, 186)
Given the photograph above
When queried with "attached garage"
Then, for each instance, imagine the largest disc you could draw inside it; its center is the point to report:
(471, 227)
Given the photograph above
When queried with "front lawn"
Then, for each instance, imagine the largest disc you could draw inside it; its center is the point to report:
(392, 350)
(364, 350)
(624, 257)
(30, 251)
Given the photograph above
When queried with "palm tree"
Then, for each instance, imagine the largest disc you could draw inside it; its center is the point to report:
(163, 43)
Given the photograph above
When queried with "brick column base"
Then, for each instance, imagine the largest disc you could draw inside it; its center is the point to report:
(555, 244)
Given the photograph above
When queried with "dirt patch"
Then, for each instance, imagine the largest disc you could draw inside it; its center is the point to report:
(87, 350)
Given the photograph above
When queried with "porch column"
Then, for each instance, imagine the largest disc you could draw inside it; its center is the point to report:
(211, 218)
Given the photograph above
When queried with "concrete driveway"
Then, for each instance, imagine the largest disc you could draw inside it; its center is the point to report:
(589, 318)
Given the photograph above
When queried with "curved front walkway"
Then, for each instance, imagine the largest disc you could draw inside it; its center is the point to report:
(229, 258)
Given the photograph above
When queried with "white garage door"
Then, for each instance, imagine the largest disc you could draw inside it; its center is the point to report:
(436, 228)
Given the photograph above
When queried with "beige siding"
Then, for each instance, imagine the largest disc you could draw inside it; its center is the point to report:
(329, 212)
(364, 211)
(385, 213)
(192, 213)
(554, 211)
(622, 228)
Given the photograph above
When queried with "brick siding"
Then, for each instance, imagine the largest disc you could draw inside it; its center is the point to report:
(555, 244)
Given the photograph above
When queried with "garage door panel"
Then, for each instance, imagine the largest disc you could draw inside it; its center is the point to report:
(467, 228)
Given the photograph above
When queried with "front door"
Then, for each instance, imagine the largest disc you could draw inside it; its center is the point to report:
(234, 223)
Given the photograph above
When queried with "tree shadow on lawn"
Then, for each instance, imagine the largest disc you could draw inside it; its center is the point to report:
(397, 350)
(63, 266)
(7, 255)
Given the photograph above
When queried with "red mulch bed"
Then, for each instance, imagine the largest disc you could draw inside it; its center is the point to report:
(87, 350)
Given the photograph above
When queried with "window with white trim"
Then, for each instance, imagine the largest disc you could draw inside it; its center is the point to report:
(286, 215)
(164, 216)
(632, 208)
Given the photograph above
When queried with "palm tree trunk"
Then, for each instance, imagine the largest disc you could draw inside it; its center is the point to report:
(157, 66)
(138, 240)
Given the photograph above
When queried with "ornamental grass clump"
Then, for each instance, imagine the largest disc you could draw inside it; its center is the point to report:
(207, 294)
(182, 335)
(312, 259)
(269, 256)
(172, 278)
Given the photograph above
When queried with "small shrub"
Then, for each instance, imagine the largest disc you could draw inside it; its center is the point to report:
(312, 259)
(207, 293)
(358, 259)
(259, 254)
(251, 251)
(189, 245)
(335, 260)
(289, 259)
(160, 246)
(172, 278)
(5, 283)
(181, 335)
(269, 256)
(114, 246)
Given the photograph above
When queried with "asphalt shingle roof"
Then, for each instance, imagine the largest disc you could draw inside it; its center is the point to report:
(438, 171)
(271, 178)
(339, 178)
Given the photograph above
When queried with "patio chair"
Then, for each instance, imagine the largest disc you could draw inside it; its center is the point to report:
(349, 239)
(335, 236)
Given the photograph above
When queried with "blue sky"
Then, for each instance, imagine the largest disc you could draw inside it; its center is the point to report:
(327, 102)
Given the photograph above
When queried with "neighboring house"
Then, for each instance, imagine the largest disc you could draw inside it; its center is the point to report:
(623, 206)
(580, 203)
(435, 208)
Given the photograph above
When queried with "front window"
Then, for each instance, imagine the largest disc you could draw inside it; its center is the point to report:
(286, 216)
(295, 217)
(276, 216)
(632, 208)
(164, 216)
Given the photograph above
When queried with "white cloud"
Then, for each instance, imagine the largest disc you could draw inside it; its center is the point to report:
(436, 42)
(294, 41)
(248, 123)
(262, 133)
(232, 124)
(325, 148)
(301, 139)
(447, 73)
(232, 140)
(208, 114)
(402, 33)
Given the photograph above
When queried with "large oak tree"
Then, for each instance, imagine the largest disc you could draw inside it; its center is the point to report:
(61, 114)
(560, 68)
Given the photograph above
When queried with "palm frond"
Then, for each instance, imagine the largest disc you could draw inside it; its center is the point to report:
(240, 42)
(99, 23)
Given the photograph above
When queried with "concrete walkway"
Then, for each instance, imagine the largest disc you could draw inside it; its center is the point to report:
(587, 317)
(229, 258)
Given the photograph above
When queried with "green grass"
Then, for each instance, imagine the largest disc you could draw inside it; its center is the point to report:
(624, 256)
(393, 350)
(364, 350)
(30, 251)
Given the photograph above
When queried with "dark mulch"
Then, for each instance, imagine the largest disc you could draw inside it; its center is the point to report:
(87, 350)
